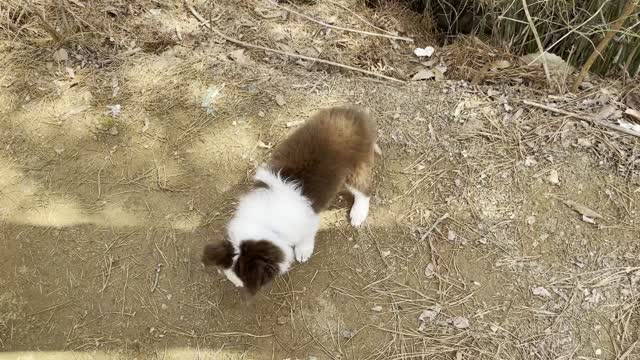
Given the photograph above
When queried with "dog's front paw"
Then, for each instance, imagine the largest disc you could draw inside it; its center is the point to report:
(303, 253)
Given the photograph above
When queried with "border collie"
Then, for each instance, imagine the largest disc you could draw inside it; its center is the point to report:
(276, 222)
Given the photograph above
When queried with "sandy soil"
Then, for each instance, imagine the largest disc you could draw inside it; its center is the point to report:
(470, 251)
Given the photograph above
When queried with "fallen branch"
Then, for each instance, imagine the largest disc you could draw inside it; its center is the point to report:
(628, 9)
(339, 27)
(587, 118)
(297, 56)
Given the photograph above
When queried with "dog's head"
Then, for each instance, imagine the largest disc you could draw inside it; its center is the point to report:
(252, 266)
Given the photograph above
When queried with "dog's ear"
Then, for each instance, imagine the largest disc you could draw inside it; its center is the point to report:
(258, 264)
(218, 254)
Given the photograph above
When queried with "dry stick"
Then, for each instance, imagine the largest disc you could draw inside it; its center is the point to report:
(251, 46)
(339, 27)
(537, 37)
(50, 29)
(629, 8)
(359, 17)
(583, 117)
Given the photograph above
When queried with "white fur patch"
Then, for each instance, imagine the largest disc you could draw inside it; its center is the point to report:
(360, 208)
(233, 277)
(279, 214)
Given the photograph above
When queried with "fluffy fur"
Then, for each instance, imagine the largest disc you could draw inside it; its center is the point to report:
(276, 222)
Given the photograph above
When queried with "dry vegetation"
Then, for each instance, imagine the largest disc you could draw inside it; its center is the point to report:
(498, 230)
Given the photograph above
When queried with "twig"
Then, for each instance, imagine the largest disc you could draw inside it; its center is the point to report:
(339, 27)
(50, 29)
(628, 9)
(359, 17)
(440, 219)
(583, 117)
(56, 306)
(157, 278)
(537, 37)
(251, 46)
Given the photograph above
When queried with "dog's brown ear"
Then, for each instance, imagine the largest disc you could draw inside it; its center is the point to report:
(218, 254)
(258, 264)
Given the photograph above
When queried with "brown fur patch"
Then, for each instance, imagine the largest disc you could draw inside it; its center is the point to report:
(218, 254)
(258, 263)
(336, 144)
(260, 185)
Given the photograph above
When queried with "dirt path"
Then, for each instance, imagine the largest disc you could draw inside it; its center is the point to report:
(104, 215)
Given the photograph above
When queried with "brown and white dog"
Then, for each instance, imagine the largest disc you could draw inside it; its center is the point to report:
(278, 219)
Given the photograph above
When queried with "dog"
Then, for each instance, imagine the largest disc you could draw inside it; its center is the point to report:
(277, 220)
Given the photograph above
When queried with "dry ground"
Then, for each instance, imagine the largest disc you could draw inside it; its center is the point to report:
(104, 215)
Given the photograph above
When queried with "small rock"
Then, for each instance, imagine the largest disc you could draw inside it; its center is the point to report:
(460, 322)
(540, 291)
(282, 320)
(155, 12)
(376, 308)
(59, 149)
(113, 131)
(280, 100)
(260, 113)
(347, 334)
(164, 306)
(531, 220)
(430, 270)
(451, 235)
(553, 177)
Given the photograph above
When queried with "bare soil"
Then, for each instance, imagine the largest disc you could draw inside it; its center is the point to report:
(105, 212)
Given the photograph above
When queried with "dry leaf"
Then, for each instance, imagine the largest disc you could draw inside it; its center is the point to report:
(430, 270)
(423, 75)
(239, 57)
(70, 72)
(429, 63)
(60, 55)
(499, 65)
(553, 177)
(114, 110)
(581, 209)
(460, 322)
(422, 52)
(606, 112)
(540, 291)
(438, 75)
(263, 145)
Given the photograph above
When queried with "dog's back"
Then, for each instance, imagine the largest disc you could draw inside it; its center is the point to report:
(325, 151)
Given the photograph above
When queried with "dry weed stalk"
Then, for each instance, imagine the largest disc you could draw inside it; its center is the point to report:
(629, 8)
